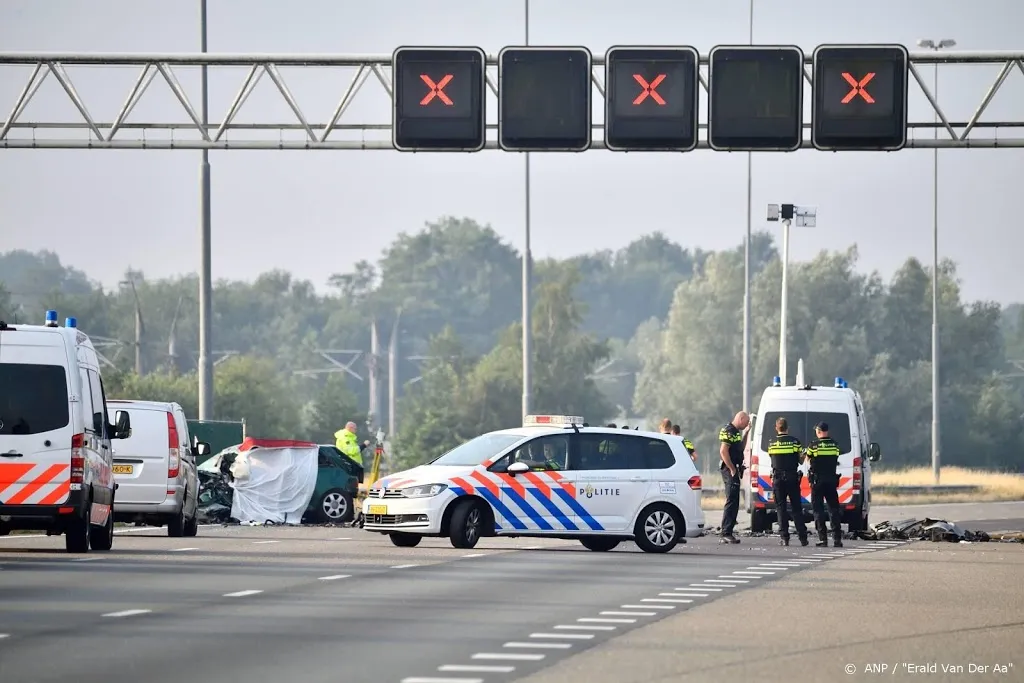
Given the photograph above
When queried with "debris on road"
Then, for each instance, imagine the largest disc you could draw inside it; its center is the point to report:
(936, 530)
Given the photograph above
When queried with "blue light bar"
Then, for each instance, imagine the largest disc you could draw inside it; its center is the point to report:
(840, 383)
(776, 381)
(51, 319)
(71, 322)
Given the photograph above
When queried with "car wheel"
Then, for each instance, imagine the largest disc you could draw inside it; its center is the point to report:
(102, 538)
(176, 524)
(335, 507)
(467, 524)
(599, 544)
(76, 535)
(659, 528)
(403, 540)
(192, 525)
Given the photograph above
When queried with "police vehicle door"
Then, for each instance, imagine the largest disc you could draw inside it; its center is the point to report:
(539, 500)
(612, 478)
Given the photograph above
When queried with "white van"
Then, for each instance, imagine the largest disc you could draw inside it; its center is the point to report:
(55, 457)
(155, 469)
(803, 407)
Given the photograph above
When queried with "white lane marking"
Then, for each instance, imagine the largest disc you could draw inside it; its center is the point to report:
(242, 594)
(4, 635)
(574, 627)
(475, 555)
(434, 679)
(776, 566)
(133, 530)
(783, 563)
(681, 601)
(532, 547)
(740, 575)
(511, 656)
(826, 556)
(812, 559)
(798, 562)
(342, 538)
(730, 582)
(610, 613)
(685, 593)
(404, 566)
(127, 613)
(705, 587)
(264, 542)
(85, 559)
(181, 550)
(541, 646)
(647, 606)
(476, 668)
(335, 577)
(594, 620)
(563, 636)
(758, 570)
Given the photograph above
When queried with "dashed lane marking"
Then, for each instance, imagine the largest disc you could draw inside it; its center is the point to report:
(812, 559)
(510, 656)
(133, 530)
(758, 570)
(335, 577)
(730, 582)
(242, 594)
(264, 542)
(741, 575)
(647, 606)
(683, 593)
(86, 559)
(578, 627)
(596, 620)
(704, 587)
(564, 636)
(627, 614)
(475, 555)
(431, 679)
(404, 566)
(181, 550)
(827, 556)
(4, 635)
(127, 613)
(539, 646)
(476, 669)
(681, 601)
(342, 538)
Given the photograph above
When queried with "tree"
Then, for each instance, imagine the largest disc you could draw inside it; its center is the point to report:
(255, 389)
(332, 407)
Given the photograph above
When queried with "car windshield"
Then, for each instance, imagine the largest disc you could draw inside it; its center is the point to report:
(801, 425)
(33, 398)
(475, 451)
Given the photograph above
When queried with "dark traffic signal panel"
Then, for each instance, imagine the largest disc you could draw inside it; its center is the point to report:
(651, 98)
(756, 98)
(439, 102)
(544, 99)
(860, 97)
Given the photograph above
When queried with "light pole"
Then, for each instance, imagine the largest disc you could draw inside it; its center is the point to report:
(805, 217)
(746, 257)
(140, 329)
(527, 332)
(205, 257)
(936, 46)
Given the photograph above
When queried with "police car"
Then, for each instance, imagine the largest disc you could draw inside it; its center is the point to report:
(553, 477)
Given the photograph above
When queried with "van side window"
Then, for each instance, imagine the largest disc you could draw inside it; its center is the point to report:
(87, 403)
(99, 405)
(659, 455)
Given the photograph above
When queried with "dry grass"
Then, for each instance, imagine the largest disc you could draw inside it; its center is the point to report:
(995, 486)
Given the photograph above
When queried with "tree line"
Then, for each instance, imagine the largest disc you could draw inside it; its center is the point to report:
(651, 330)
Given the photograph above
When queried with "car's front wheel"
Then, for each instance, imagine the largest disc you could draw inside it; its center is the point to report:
(599, 544)
(659, 528)
(335, 507)
(467, 524)
(403, 540)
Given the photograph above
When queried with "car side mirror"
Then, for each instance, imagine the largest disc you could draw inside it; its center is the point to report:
(874, 452)
(122, 425)
(518, 468)
(202, 448)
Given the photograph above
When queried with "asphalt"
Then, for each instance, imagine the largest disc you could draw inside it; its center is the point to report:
(317, 604)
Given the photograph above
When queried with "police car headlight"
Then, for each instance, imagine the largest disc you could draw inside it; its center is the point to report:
(424, 491)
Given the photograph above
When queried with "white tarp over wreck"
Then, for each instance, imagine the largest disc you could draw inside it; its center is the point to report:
(273, 480)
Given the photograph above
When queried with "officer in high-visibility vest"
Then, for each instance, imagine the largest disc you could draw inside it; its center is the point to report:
(347, 442)
(786, 453)
(823, 453)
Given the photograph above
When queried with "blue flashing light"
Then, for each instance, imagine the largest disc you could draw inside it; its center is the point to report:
(51, 318)
(840, 383)
(776, 381)
(71, 322)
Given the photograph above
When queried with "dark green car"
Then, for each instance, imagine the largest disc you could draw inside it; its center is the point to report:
(337, 485)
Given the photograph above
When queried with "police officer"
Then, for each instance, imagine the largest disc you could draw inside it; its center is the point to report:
(785, 451)
(732, 439)
(687, 444)
(823, 454)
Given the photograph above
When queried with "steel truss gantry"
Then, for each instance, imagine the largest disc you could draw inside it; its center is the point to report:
(18, 132)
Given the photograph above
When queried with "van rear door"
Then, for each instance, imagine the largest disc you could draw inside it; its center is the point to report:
(140, 461)
(35, 418)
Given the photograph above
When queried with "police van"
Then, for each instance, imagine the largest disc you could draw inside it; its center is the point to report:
(553, 477)
(55, 456)
(804, 406)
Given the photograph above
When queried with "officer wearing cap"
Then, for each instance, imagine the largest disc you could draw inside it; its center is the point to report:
(823, 454)
(785, 451)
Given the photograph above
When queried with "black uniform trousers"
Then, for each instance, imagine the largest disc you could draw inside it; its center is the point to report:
(786, 486)
(731, 485)
(823, 492)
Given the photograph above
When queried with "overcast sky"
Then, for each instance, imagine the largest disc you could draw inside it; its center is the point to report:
(316, 213)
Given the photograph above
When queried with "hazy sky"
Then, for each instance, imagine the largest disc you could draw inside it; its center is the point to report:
(316, 213)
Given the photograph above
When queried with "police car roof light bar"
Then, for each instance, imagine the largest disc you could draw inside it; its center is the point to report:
(51, 319)
(776, 381)
(533, 420)
(71, 322)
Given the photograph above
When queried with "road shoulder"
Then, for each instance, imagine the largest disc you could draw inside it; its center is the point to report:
(923, 603)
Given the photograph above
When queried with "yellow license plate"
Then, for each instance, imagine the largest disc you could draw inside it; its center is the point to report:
(378, 510)
(124, 469)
